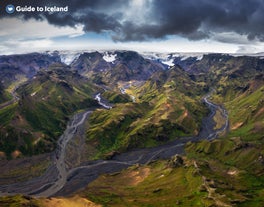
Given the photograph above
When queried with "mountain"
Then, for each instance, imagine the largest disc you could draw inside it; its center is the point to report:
(168, 106)
(27, 65)
(110, 67)
(155, 99)
(34, 123)
(4, 96)
(227, 171)
(234, 164)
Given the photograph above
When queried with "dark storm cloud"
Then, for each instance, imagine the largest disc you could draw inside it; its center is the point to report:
(198, 19)
(80, 12)
(193, 19)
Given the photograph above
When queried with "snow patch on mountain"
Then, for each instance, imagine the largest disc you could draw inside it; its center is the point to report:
(168, 58)
(110, 58)
(164, 58)
(68, 57)
(184, 58)
(198, 56)
(169, 62)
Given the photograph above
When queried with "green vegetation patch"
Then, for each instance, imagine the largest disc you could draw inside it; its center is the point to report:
(18, 201)
(114, 97)
(165, 110)
(45, 105)
(7, 113)
(234, 166)
(153, 185)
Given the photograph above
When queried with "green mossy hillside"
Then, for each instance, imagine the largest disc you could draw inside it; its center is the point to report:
(234, 167)
(35, 122)
(245, 107)
(19, 201)
(235, 163)
(114, 97)
(165, 109)
(158, 184)
(4, 96)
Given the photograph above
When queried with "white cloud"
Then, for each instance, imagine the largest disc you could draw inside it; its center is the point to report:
(249, 49)
(18, 36)
(17, 46)
(15, 28)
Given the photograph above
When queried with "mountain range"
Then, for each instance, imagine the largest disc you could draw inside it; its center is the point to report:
(155, 99)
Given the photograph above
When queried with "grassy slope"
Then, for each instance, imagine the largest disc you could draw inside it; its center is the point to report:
(114, 97)
(157, 184)
(4, 96)
(25, 201)
(235, 167)
(34, 124)
(230, 168)
(235, 163)
(163, 112)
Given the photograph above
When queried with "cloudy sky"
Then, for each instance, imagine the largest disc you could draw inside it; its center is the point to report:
(228, 26)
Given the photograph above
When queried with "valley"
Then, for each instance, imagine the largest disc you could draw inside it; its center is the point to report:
(67, 182)
(101, 118)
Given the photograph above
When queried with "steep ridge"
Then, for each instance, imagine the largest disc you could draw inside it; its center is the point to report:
(234, 164)
(126, 65)
(12, 67)
(3, 94)
(166, 108)
(32, 124)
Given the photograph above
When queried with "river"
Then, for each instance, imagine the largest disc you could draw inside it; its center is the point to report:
(58, 180)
